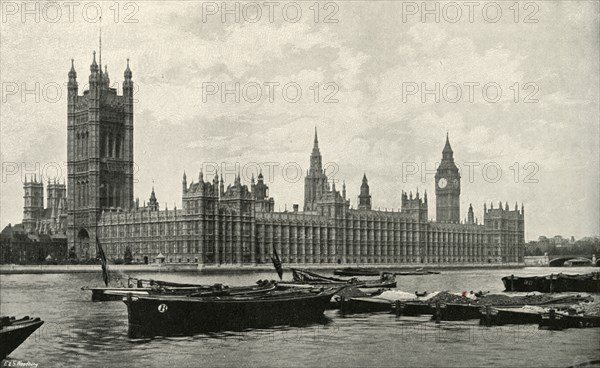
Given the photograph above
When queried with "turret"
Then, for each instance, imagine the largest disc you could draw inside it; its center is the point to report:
(184, 183)
(127, 74)
(72, 86)
(260, 189)
(33, 208)
(415, 207)
(364, 199)
(105, 78)
(470, 215)
(94, 75)
(221, 185)
(153, 202)
(127, 83)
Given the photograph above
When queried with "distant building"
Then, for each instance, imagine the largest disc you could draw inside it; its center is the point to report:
(43, 230)
(19, 246)
(38, 219)
(536, 260)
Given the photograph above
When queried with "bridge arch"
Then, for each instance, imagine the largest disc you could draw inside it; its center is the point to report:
(558, 262)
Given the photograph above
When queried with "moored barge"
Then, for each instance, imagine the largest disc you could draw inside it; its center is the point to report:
(155, 315)
(554, 283)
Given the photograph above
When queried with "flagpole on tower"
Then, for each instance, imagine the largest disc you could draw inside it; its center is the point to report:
(100, 45)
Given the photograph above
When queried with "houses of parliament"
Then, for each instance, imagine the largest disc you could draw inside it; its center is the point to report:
(236, 223)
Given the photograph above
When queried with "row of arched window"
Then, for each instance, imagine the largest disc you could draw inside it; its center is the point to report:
(111, 195)
(111, 145)
(82, 193)
(81, 144)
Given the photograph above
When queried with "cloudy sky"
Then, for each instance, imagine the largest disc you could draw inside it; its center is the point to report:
(518, 92)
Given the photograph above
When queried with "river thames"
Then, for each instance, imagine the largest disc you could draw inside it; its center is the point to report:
(78, 332)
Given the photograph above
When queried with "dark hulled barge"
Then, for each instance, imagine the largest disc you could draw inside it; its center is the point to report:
(558, 283)
(155, 315)
(103, 294)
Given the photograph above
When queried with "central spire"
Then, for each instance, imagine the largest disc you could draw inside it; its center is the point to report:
(316, 152)
(316, 142)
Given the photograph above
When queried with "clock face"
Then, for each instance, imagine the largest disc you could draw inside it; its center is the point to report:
(442, 183)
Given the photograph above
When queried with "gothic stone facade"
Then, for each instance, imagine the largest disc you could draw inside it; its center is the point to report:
(49, 220)
(99, 153)
(238, 224)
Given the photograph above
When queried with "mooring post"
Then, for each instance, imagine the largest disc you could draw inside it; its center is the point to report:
(512, 282)
(488, 309)
(552, 315)
(551, 283)
(343, 305)
(438, 312)
(398, 307)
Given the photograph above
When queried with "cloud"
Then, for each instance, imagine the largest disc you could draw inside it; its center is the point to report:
(368, 55)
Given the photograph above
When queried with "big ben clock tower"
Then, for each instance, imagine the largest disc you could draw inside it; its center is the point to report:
(447, 188)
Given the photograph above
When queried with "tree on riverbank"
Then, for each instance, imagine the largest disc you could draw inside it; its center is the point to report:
(583, 247)
(128, 257)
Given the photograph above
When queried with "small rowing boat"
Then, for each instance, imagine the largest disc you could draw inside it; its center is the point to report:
(14, 331)
(386, 280)
(356, 271)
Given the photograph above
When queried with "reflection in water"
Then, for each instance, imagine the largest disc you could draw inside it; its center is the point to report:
(80, 332)
(244, 333)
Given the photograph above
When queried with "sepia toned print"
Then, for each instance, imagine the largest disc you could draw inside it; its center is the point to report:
(300, 183)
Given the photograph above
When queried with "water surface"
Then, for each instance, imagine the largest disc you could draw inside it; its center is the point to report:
(78, 332)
